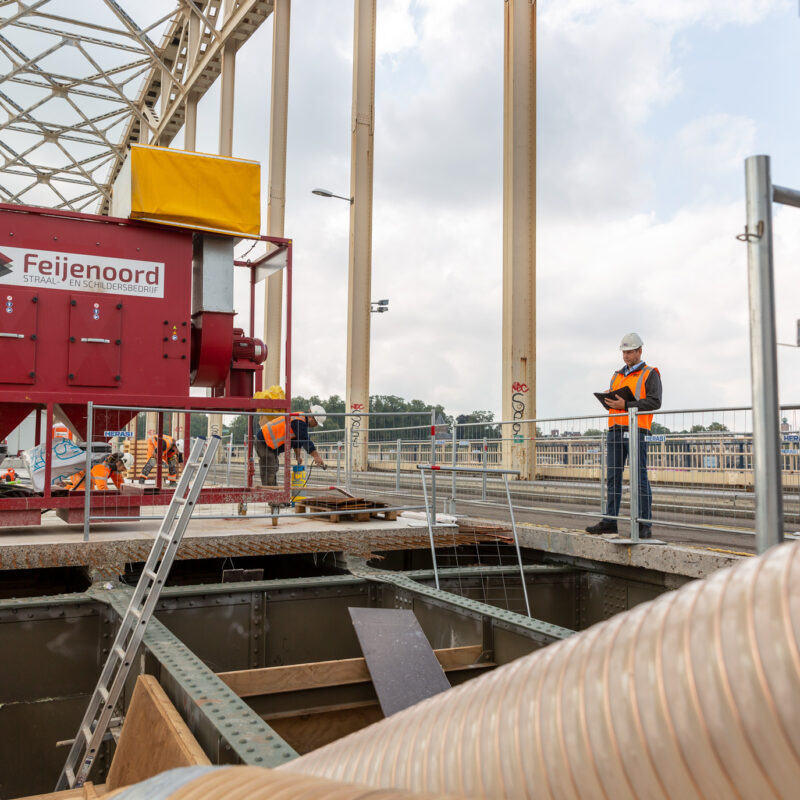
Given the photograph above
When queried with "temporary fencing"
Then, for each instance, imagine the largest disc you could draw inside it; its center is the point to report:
(699, 465)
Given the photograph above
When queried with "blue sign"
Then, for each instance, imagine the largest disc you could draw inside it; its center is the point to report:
(656, 437)
(123, 434)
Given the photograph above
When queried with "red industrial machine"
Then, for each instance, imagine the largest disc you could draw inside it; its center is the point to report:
(122, 313)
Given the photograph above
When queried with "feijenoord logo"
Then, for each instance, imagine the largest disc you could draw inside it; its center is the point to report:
(80, 272)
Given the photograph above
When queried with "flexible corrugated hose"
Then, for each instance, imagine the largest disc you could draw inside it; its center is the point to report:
(693, 695)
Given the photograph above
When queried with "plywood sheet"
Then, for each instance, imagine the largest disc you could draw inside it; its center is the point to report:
(154, 738)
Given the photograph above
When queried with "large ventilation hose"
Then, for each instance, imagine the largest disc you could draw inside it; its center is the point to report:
(250, 783)
(693, 695)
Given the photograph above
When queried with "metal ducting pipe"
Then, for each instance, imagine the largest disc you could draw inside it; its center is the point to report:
(693, 695)
(250, 783)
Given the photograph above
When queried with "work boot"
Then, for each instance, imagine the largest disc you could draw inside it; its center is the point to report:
(645, 532)
(141, 480)
(604, 526)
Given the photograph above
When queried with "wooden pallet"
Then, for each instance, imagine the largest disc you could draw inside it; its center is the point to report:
(341, 508)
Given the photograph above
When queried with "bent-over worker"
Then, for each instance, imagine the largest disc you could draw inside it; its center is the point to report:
(111, 468)
(168, 450)
(271, 440)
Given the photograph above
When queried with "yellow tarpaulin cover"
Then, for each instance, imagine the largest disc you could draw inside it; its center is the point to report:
(273, 393)
(193, 190)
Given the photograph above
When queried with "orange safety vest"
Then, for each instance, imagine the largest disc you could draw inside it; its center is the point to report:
(635, 381)
(169, 447)
(100, 475)
(274, 431)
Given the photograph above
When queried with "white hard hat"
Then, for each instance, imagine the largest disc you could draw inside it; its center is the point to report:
(631, 341)
(319, 414)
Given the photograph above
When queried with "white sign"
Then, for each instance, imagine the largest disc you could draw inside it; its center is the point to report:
(122, 434)
(80, 272)
(656, 437)
(791, 437)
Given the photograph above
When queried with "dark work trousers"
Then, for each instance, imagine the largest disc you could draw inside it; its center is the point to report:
(267, 463)
(617, 451)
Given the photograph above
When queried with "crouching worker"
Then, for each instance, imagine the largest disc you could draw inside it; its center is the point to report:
(111, 468)
(9, 476)
(271, 441)
(168, 450)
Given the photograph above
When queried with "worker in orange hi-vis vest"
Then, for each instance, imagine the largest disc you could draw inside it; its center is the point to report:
(645, 385)
(168, 450)
(111, 468)
(9, 476)
(271, 440)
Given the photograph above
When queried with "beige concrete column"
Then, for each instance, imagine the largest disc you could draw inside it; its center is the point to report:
(360, 272)
(276, 202)
(151, 424)
(519, 235)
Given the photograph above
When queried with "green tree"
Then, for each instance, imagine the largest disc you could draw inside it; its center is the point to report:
(658, 428)
(592, 432)
(717, 426)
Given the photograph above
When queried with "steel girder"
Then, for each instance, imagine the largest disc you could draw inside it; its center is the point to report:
(82, 81)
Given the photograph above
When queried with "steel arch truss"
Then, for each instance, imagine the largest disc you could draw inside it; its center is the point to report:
(79, 82)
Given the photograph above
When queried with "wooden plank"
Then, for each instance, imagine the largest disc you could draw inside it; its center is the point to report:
(154, 738)
(87, 792)
(317, 674)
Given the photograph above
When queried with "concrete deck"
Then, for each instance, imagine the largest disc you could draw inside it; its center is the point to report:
(111, 545)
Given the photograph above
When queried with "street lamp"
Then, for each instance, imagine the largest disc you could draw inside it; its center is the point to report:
(328, 193)
(379, 306)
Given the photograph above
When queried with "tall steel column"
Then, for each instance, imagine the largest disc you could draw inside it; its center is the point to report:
(227, 81)
(519, 234)
(360, 271)
(763, 354)
(276, 202)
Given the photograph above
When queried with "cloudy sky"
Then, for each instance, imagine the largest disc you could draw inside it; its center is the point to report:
(646, 110)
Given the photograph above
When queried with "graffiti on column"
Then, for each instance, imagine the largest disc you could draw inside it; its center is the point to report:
(519, 390)
(355, 424)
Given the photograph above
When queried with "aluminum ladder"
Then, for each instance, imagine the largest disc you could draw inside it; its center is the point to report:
(134, 624)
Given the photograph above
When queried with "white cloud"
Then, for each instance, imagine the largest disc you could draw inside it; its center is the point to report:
(718, 141)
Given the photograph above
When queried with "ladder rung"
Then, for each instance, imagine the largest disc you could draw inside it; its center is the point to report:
(87, 733)
(181, 501)
(137, 612)
(103, 693)
(151, 573)
(166, 536)
(70, 773)
(120, 651)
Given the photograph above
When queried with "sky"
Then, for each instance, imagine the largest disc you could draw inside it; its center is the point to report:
(646, 111)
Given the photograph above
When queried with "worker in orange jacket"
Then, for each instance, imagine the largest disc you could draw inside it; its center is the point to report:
(271, 440)
(168, 450)
(111, 468)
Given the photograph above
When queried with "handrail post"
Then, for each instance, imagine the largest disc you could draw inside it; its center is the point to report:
(87, 477)
(484, 464)
(397, 467)
(604, 472)
(763, 354)
(633, 469)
